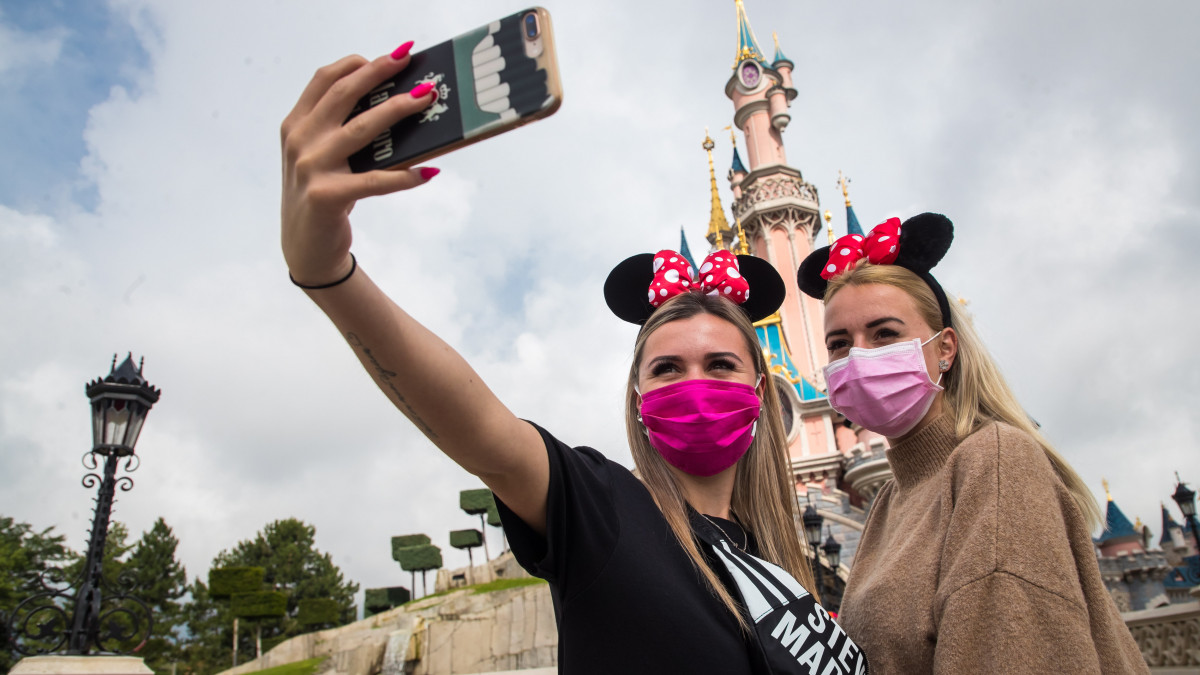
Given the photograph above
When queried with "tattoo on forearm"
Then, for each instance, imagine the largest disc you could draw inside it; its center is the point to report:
(384, 376)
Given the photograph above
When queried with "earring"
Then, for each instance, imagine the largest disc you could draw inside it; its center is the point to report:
(943, 366)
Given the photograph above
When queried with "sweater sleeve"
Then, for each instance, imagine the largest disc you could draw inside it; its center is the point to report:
(1020, 590)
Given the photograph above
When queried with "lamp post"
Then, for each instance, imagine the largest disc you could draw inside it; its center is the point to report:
(97, 618)
(1186, 499)
(833, 551)
(812, 533)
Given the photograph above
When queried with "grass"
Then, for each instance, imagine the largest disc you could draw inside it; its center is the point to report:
(504, 584)
(308, 667)
(491, 586)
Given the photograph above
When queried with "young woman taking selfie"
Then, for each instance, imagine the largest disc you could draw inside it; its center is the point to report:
(695, 568)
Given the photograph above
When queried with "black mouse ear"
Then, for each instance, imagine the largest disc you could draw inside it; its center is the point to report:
(809, 275)
(766, 287)
(924, 240)
(627, 288)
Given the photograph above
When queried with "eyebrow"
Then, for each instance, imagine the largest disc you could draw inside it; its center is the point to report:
(671, 358)
(872, 324)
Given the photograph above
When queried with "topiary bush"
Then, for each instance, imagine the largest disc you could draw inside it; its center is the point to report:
(466, 538)
(419, 558)
(226, 581)
(258, 604)
(476, 502)
(376, 600)
(408, 541)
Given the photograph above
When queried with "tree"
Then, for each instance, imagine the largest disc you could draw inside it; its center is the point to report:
(25, 554)
(161, 582)
(467, 539)
(478, 503)
(286, 550)
(207, 625)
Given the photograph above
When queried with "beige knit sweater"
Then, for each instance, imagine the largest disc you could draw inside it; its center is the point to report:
(975, 559)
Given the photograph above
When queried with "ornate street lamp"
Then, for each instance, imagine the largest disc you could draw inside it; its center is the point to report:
(812, 533)
(1186, 499)
(833, 551)
(99, 617)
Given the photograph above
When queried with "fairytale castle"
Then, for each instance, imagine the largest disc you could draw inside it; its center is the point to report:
(838, 466)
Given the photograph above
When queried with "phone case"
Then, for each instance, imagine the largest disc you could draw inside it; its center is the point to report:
(488, 81)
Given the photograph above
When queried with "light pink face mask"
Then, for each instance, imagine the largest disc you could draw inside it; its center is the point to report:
(701, 427)
(886, 390)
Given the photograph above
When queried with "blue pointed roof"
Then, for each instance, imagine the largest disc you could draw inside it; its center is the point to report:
(684, 250)
(779, 55)
(1168, 523)
(852, 226)
(737, 162)
(747, 44)
(1116, 525)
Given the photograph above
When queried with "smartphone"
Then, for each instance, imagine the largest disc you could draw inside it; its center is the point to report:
(488, 81)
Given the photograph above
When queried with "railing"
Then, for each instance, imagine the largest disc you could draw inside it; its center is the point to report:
(1169, 636)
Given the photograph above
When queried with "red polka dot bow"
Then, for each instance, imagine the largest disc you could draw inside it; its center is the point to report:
(719, 275)
(880, 247)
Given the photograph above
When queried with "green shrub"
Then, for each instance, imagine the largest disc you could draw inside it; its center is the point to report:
(258, 605)
(295, 668)
(475, 502)
(226, 581)
(466, 538)
(493, 515)
(408, 541)
(376, 600)
(313, 611)
(419, 558)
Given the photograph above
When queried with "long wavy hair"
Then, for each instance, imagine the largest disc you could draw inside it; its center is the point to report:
(976, 391)
(764, 492)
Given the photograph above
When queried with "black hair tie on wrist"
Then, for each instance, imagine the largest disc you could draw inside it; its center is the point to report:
(353, 266)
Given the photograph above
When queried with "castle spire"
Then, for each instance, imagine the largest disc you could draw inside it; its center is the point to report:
(747, 43)
(779, 55)
(852, 226)
(718, 226)
(1107, 494)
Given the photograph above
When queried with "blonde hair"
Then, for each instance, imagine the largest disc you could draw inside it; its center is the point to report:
(764, 492)
(976, 391)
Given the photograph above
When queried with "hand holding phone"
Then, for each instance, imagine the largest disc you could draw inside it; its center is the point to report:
(486, 81)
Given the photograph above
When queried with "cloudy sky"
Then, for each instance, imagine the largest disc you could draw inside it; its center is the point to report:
(139, 212)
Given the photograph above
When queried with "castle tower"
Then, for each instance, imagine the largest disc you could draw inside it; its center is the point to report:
(779, 213)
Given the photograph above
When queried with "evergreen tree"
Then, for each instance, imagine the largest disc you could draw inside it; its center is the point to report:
(160, 581)
(286, 550)
(25, 554)
(209, 634)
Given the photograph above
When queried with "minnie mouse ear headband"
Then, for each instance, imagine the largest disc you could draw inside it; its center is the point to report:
(640, 283)
(917, 245)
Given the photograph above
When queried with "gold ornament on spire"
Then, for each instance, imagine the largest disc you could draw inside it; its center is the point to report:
(829, 225)
(747, 43)
(743, 248)
(718, 226)
(1107, 494)
(844, 181)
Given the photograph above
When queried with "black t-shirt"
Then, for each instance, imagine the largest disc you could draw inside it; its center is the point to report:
(628, 599)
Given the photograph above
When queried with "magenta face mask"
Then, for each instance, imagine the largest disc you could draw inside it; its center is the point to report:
(886, 390)
(701, 427)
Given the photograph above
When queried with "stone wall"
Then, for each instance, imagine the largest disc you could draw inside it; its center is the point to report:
(461, 633)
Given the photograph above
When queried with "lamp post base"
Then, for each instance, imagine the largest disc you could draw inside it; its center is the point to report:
(81, 665)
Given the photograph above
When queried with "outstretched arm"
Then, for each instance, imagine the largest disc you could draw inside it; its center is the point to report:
(423, 376)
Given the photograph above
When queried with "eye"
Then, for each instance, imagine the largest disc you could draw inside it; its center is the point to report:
(724, 364)
(837, 346)
(662, 368)
(886, 334)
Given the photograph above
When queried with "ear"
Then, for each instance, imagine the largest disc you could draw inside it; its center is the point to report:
(948, 346)
(761, 387)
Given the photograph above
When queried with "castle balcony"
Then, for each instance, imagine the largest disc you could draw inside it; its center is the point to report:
(867, 469)
(1169, 637)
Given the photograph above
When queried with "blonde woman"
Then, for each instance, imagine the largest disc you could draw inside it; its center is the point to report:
(699, 568)
(977, 555)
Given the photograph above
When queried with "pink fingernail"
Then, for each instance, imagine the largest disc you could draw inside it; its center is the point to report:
(421, 89)
(402, 51)
(428, 172)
